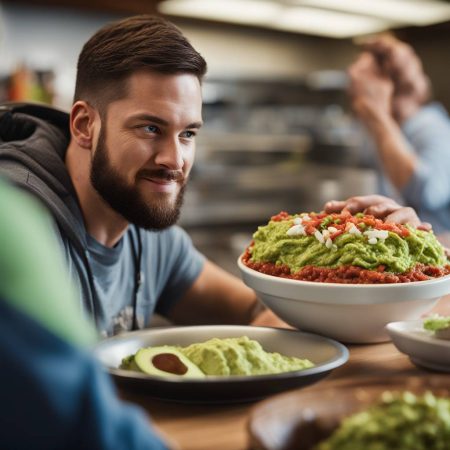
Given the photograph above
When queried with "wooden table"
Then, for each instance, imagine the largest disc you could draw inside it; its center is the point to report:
(223, 427)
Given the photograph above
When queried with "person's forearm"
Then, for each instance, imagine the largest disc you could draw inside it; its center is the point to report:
(266, 318)
(398, 161)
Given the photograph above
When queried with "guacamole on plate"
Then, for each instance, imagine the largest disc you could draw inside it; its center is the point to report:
(228, 356)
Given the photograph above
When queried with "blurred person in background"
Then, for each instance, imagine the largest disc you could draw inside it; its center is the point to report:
(390, 93)
(54, 394)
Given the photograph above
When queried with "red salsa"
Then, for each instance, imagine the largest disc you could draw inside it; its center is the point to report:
(342, 221)
(347, 274)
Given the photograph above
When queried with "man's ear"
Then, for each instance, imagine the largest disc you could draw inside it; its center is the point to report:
(82, 124)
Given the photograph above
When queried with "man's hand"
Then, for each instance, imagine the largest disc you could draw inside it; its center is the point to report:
(370, 90)
(379, 206)
(400, 63)
(386, 87)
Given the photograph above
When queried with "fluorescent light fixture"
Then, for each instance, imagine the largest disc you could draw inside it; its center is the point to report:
(411, 12)
(250, 12)
(327, 23)
(271, 14)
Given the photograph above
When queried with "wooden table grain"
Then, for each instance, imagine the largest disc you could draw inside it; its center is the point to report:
(223, 427)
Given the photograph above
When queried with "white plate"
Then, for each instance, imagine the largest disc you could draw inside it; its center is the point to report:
(423, 348)
(325, 353)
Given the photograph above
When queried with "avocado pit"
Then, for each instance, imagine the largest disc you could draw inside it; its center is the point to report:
(168, 362)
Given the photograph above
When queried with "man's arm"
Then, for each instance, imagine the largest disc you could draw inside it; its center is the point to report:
(371, 94)
(221, 298)
(399, 161)
(389, 91)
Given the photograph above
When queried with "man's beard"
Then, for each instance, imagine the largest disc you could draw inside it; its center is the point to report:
(126, 199)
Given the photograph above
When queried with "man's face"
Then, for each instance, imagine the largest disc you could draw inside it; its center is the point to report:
(146, 148)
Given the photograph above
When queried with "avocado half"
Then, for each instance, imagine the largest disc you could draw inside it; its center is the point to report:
(166, 361)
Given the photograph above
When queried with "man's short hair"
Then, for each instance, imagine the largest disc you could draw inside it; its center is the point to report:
(121, 48)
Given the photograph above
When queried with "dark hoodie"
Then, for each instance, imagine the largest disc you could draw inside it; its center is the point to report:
(33, 144)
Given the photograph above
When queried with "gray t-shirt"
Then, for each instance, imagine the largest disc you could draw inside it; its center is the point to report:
(169, 266)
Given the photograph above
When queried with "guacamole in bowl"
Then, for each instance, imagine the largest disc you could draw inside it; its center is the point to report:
(395, 413)
(345, 276)
(438, 325)
(345, 248)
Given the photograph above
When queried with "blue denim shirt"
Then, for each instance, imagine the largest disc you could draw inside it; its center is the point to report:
(55, 396)
(428, 190)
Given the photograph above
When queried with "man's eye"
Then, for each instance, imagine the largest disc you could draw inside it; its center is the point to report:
(188, 134)
(150, 129)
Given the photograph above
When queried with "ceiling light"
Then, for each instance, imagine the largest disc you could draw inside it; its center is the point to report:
(252, 12)
(327, 23)
(411, 12)
(274, 15)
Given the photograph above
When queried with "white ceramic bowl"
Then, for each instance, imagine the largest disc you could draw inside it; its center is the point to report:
(351, 313)
(422, 347)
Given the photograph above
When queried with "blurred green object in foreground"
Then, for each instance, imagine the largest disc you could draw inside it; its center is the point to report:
(40, 288)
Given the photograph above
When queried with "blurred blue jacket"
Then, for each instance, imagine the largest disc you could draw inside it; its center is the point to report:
(53, 394)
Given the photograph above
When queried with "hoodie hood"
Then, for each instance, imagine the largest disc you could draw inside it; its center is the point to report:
(33, 144)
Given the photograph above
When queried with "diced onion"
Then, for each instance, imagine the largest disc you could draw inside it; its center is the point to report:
(354, 230)
(378, 234)
(296, 230)
(319, 237)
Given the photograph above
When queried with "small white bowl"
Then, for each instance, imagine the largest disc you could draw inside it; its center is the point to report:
(423, 348)
(352, 313)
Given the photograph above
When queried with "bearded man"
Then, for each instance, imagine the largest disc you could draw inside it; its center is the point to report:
(113, 174)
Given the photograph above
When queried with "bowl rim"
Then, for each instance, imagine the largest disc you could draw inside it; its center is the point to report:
(288, 281)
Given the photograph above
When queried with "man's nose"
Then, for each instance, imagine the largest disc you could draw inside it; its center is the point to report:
(170, 154)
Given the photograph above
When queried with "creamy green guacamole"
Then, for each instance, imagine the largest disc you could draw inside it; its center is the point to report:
(436, 323)
(396, 253)
(399, 422)
(233, 356)
(240, 356)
